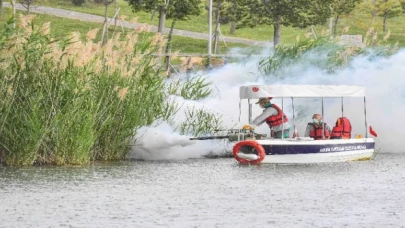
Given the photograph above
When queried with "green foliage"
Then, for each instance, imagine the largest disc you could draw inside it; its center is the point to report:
(340, 7)
(285, 55)
(229, 10)
(389, 8)
(322, 52)
(383, 8)
(300, 13)
(78, 2)
(173, 9)
(193, 88)
(200, 122)
(182, 9)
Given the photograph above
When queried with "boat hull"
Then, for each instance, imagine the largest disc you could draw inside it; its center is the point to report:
(346, 156)
(317, 151)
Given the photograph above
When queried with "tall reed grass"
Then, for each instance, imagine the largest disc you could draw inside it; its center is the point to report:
(324, 52)
(200, 121)
(72, 101)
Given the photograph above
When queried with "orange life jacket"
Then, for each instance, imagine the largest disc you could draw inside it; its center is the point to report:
(342, 130)
(276, 120)
(317, 132)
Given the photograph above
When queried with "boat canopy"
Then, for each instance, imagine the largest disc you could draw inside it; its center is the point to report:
(258, 91)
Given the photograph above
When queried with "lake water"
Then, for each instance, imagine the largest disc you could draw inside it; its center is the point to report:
(206, 193)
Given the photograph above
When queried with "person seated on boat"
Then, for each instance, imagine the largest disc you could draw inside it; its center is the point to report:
(314, 129)
(342, 129)
(274, 117)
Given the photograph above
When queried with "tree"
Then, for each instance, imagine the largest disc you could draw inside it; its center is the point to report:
(388, 9)
(180, 10)
(225, 12)
(26, 4)
(295, 13)
(340, 7)
(168, 9)
(383, 8)
(151, 6)
(403, 5)
(229, 11)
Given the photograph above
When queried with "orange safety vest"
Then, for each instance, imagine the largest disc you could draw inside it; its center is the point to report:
(276, 120)
(342, 130)
(317, 132)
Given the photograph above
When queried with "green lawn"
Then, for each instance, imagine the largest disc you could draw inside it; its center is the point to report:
(60, 27)
(359, 22)
(196, 24)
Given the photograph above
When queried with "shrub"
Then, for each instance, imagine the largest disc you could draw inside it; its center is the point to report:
(78, 2)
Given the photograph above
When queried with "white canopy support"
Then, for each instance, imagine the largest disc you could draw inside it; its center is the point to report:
(258, 91)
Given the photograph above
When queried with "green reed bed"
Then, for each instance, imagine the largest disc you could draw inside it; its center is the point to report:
(73, 101)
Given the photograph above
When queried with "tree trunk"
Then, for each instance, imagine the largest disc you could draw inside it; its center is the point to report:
(335, 25)
(216, 37)
(373, 13)
(105, 32)
(162, 18)
(234, 16)
(233, 28)
(116, 16)
(1, 6)
(28, 7)
(385, 23)
(169, 45)
(277, 28)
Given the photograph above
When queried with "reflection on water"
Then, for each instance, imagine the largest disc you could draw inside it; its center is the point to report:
(206, 193)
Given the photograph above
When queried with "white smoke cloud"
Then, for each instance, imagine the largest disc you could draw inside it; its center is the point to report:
(162, 142)
(385, 90)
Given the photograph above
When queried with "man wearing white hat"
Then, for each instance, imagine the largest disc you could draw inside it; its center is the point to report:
(274, 117)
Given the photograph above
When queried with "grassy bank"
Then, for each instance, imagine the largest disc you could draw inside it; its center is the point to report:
(358, 22)
(61, 27)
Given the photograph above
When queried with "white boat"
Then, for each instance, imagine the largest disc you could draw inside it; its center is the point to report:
(302, 150)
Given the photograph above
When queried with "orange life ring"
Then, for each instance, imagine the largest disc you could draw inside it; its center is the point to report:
(259, 148)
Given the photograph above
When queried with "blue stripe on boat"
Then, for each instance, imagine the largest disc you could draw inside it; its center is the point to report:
(309, 149)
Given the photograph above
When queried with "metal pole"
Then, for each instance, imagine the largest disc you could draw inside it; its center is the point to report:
(282, 118)
(343, 123)
(330, 27)
(323, 117)
(240, 101)
(210, 33)
(292, 100)
(365, 116)
(250, 112)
